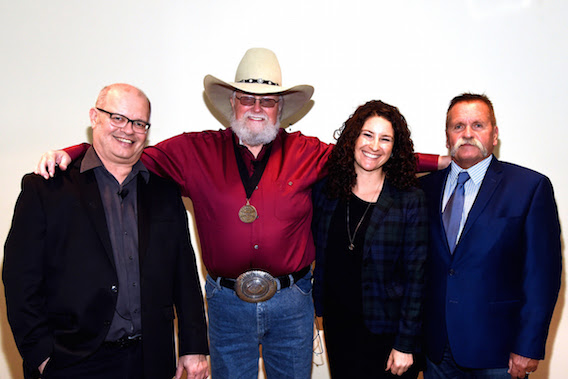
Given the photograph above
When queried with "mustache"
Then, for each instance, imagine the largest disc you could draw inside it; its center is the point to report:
(265, 134)
(468, 141)
(261, 115)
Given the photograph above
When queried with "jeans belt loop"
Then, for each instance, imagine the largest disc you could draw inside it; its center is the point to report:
(291, 277)
(218, 281)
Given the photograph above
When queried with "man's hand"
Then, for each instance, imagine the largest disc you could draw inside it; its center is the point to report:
(399, 362)
(195, 366)
(42, 366)
(444, 161)
(46, 165)
(519, 366)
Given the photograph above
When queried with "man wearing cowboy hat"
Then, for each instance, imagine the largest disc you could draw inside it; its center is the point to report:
(251, 189)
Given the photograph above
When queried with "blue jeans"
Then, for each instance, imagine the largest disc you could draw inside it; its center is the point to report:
(283, 325)
(449, 369)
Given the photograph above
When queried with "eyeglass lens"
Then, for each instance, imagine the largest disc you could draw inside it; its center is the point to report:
(265, 102)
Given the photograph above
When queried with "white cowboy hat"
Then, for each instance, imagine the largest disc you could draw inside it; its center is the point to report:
(259, 74)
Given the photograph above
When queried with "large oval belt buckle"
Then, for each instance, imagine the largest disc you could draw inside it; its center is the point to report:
(255, 286)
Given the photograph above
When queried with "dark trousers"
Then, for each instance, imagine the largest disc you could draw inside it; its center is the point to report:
(449, 369)
(354, 352)
(109, 362)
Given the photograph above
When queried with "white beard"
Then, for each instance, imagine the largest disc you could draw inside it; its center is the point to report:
(250, 137)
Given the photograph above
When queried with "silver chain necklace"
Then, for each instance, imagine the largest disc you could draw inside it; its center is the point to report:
(351, 240)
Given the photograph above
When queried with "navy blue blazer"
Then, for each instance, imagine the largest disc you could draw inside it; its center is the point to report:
(392, 274)
(496, 294)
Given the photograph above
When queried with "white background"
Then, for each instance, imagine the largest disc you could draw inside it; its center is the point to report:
(56, 55)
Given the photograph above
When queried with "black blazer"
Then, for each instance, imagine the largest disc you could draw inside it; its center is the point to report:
(61, 282)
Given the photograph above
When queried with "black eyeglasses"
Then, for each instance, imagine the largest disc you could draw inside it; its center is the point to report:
(120, 121)
(265, 102)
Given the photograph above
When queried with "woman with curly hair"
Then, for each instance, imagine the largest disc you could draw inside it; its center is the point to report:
(370, 230)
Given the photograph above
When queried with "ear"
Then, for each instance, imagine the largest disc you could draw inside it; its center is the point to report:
(447, 140)
(495, 135)
(93, 116)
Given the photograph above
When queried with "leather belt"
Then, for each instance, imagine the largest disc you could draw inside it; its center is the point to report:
(123, 342)
(256, 285)
(284, 279)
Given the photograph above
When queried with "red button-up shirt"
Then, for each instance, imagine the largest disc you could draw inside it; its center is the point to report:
(279, 240)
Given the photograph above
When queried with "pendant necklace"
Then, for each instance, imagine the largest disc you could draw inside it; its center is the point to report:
(248, 213)
(352, 239)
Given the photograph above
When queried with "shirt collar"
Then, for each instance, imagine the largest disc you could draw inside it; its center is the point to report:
(476, 172)
(91, 161)
(245, 151)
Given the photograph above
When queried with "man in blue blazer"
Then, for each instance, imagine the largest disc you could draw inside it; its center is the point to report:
(490, 294)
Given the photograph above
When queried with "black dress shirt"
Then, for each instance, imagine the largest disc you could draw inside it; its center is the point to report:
(119, 201)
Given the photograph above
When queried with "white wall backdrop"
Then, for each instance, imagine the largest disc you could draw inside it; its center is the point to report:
(56, 55)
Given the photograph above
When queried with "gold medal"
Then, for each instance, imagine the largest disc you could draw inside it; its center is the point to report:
(247, 213)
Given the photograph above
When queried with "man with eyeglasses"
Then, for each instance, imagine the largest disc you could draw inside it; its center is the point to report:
(99, 257)
(251, 190)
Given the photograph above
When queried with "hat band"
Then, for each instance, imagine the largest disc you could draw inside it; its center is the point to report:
(259, 81)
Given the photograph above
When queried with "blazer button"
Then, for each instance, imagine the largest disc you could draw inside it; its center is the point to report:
(452, 272)
(107, 323)
(114, 289)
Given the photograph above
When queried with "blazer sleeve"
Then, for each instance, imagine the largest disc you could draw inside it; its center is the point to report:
(23, 275)
(187, 294)
(542, 271)
(415, 245)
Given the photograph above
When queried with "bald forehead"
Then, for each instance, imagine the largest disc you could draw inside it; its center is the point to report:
(118, 90)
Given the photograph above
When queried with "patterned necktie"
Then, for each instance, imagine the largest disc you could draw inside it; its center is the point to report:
(453, 212)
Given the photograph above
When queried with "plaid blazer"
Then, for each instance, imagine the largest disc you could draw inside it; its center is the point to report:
(392, 273)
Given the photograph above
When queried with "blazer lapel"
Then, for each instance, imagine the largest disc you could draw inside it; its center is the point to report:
(438, 232)
(488, 186)
(92, 203)
(380, 210)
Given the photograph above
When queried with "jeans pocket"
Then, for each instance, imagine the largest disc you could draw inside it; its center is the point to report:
(211, 287)
(304, 285)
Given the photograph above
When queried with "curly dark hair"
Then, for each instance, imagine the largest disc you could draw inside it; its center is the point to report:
(400, 169)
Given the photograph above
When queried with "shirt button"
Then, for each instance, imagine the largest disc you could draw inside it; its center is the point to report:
(114, 289)
(134, 284)
(290, 183)
(256, 247)
(131, 257)
(452, 272)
